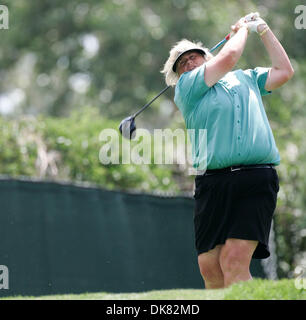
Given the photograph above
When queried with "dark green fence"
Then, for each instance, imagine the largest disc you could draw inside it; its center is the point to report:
(58, 238)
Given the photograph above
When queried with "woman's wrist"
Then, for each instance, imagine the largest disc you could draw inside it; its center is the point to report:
(261, 28)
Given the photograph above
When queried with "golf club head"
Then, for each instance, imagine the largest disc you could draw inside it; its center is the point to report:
(127, 128)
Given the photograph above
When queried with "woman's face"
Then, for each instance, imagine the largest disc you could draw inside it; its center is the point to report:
(189, 61)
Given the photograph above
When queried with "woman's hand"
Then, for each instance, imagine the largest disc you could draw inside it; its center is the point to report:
(254, 22)
(241, 23)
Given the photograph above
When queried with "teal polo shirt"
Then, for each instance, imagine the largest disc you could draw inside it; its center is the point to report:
(232, 116)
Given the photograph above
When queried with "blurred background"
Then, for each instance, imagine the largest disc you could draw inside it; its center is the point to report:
(69, 69)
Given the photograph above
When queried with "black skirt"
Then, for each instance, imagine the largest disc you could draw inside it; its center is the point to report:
(238, 204)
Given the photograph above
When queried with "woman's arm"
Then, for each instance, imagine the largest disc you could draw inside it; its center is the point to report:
(281, 70)
(227, 58)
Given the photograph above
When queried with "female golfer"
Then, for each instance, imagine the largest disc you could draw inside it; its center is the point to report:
(236, 196)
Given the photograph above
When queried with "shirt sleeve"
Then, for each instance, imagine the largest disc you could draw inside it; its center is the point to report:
(191, 86)
(260, 76)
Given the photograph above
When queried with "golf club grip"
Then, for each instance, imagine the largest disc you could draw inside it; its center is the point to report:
(226, 38)
(146, 105)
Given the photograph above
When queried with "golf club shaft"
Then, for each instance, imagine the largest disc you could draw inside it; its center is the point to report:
(227, 37)
(146, 105)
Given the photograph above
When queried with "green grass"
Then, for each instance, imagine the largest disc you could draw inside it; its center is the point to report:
(257, 289)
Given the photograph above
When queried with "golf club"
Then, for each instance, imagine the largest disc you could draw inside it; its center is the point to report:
(127, 126)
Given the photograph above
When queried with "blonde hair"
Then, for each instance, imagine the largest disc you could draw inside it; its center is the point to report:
(184, 45)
